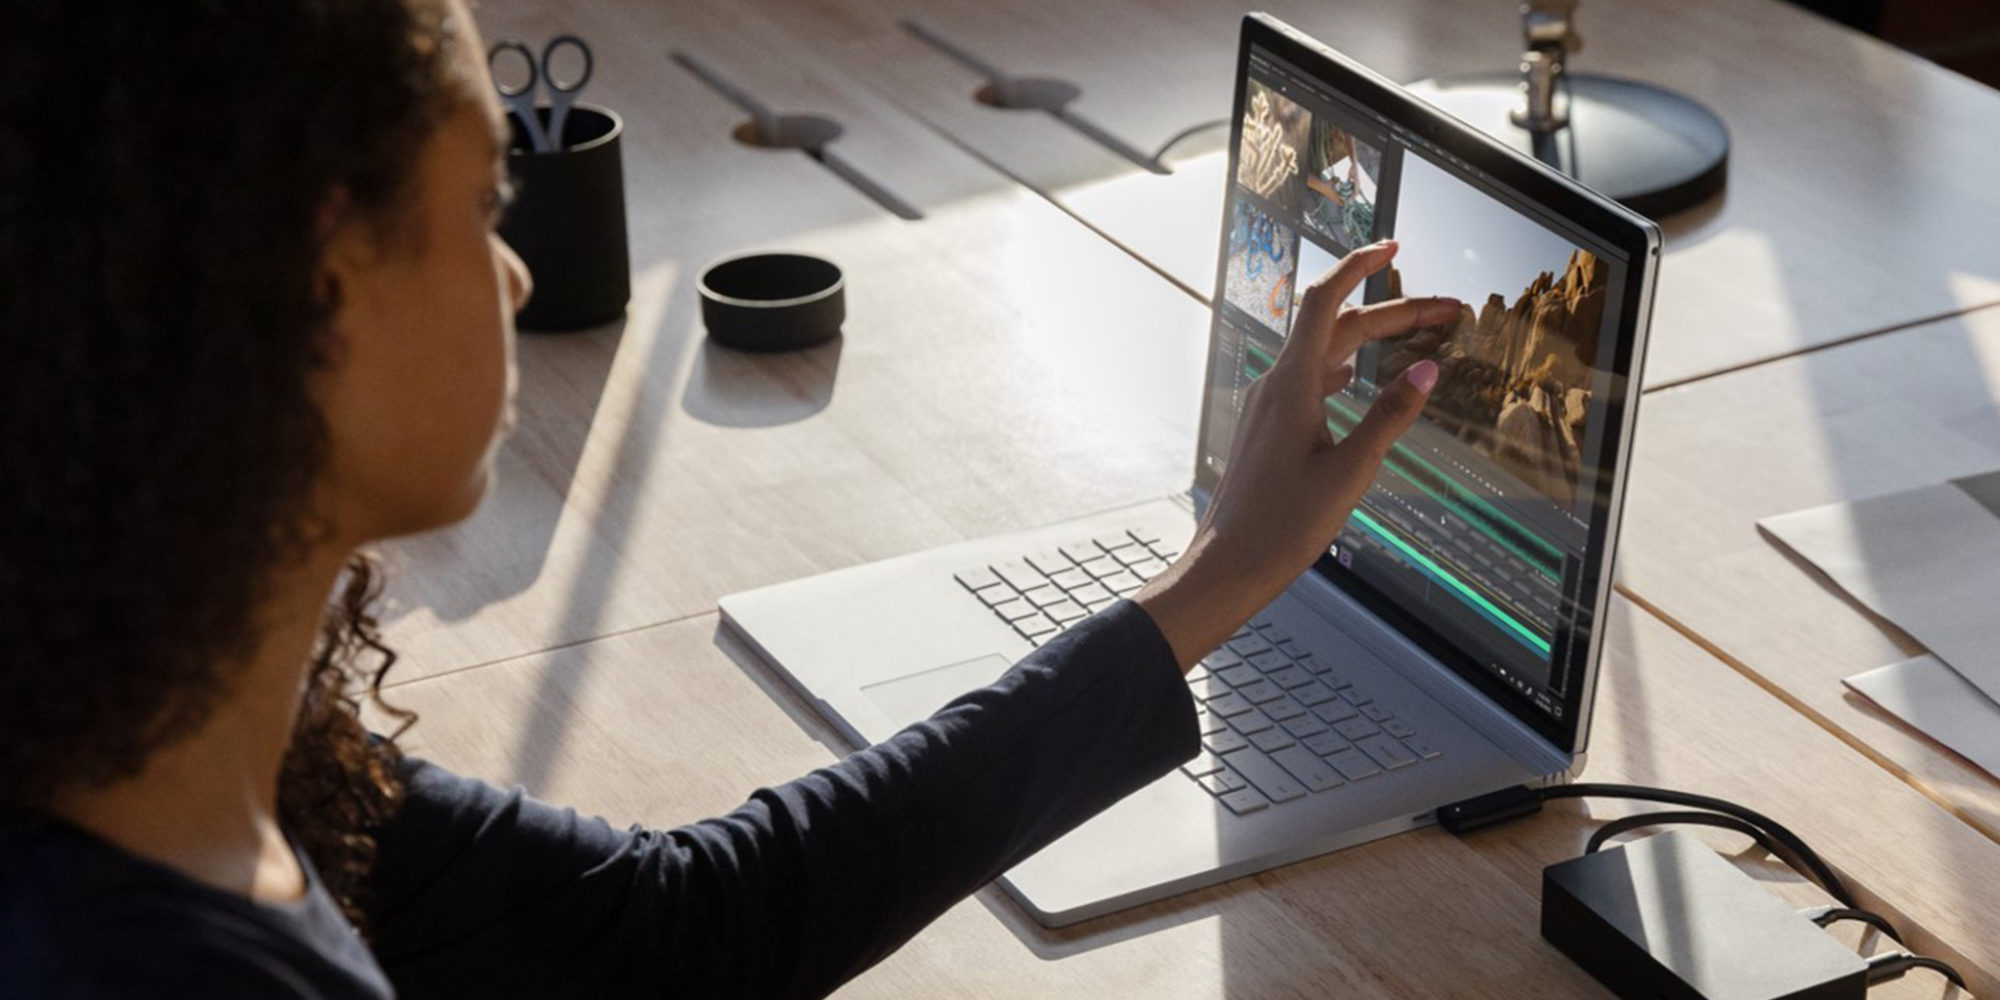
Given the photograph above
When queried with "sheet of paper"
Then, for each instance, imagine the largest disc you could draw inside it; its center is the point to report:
(1927, 559)
(1933, 698)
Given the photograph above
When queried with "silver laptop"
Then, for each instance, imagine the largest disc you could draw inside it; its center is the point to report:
(1448, 643)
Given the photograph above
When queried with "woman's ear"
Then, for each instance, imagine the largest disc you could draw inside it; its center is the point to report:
(345, 250)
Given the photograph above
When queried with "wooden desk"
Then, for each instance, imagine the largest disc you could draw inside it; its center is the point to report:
(1883, 415)
(1862, 179)
(1002, 366)
(668, 724)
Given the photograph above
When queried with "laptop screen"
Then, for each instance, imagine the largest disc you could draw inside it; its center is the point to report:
(1476, 538)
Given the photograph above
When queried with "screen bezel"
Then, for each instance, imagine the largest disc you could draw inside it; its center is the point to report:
(1630, 234)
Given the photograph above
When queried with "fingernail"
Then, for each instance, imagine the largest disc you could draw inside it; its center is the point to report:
(1423, 375)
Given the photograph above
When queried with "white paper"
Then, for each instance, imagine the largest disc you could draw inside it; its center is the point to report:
(1927, 559)
(1932, 697)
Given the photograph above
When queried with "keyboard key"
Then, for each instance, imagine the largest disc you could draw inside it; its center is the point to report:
(1284, 710)
(1204, 763)
(1050, 563)
(1249, 645)
(1398, 728)
(1164, 553)
(1221, 659)
(1291, 648)
(1272, 739)
(1377, 712)
(1240, 675)
(1043, 596)
(1224, 742)
(1122, 583)
(1356, 697)
(1020, 575)
(1353, 764)
(1144, 536)
(1100, 567)
(1314, 694)
(1335, 679)
(1148, 569)
(1244, 800)
(1230, 704)
(1014, 610)
(1069, 579)
(1270, 660)
(1303, 726)
(1356, 728)
(1325, 743)
(1034, 625)
(1261, 691)
(1386, 751)
(977, 578)
(1133, 556)
(1222, 782)
(1098, 603)
(1266, 628)
(1065, 612)
(1112, 543)
(1207, 688)
(1335, 712)
(1082, 552)
(995, 595)
(1250, 722)
(1422, 749)
(1310, 770)
(1092, 593)
(1265, 776)
(1291, 677)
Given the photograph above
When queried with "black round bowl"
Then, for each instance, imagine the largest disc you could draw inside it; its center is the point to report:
(772, 301)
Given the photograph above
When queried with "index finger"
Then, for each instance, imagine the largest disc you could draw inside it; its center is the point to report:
(1313, 330)
(1357, 326)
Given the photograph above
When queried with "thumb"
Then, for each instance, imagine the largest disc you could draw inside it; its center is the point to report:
(1392, 413)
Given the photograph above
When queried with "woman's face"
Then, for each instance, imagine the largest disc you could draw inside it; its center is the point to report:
(422, 379)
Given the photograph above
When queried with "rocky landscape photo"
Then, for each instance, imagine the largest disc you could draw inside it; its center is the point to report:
(1515, 376)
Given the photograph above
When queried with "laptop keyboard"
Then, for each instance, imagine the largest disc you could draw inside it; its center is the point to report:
(1276, 724)
(1047, 592)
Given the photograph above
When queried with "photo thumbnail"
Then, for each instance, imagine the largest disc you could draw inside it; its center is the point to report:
(1269, 159)
(1341, 174)
(1261, 262)
(1314, 262)
(1515, 368)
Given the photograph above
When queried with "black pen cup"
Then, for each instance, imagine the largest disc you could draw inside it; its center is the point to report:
(568, 222)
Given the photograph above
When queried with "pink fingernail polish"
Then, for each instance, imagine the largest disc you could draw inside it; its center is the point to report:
(1423, 375)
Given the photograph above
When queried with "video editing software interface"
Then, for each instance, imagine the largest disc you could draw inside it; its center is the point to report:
(1478, 523)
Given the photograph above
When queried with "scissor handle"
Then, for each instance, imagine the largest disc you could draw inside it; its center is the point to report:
(508, 45)
(548, 63)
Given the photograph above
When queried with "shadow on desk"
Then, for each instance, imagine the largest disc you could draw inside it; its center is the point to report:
(732, 388)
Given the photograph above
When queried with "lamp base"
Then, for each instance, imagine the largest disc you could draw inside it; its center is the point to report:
(1652, 150)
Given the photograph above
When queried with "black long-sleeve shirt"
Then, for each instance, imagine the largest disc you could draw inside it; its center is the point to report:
(482, 892)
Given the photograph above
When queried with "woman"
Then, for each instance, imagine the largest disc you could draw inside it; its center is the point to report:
(256, 317)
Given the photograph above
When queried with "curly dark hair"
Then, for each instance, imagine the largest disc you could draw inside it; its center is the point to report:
(164, 167)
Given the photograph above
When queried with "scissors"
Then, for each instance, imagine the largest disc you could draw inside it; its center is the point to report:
(521, 100)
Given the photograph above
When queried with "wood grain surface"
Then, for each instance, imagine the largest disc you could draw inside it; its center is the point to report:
(1858, 175)
(1001, 367)
(1890, 413)
(666, 725)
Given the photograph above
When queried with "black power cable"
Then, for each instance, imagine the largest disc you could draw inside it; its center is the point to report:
(1892, 965)
(1520, 800)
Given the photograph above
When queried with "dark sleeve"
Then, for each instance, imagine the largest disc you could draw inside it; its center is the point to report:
(489, 893)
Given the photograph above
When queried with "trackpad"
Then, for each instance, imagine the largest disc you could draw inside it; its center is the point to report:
(917, 696)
